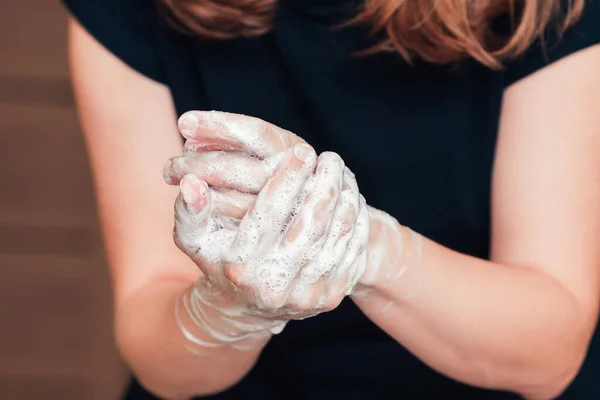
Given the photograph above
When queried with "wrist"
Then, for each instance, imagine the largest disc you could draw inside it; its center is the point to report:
(210, 318)
(393, 259)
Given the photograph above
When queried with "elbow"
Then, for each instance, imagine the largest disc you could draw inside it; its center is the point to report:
(551, 382)
(152, 346)
(163, 373)
(171, 390)
(553, 372)
(157, 373)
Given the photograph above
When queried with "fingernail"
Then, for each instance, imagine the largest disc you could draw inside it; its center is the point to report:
(188, 123)
(193, 192)
(189, 197)
(302, 151)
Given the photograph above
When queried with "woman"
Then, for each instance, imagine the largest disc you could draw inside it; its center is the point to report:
(468, 249)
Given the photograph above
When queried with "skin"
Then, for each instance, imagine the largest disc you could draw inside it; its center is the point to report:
(521, 321)
(249, 270)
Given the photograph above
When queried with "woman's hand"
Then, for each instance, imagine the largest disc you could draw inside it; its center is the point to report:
(236, 163)
(540, 285)
(234, 178)
(298, 251)
(233, 153)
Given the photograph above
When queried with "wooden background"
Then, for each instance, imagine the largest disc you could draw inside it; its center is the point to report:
(55, 322)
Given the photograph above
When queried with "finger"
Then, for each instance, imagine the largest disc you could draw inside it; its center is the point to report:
(236, 132)
(350, 180)
(349, 206)
(260, 230)
(314, 216)
(357, 271)
(192, 214)
(192, 146)
(308, 232)
(231, 170)
(344, 280)
(264, 223)
(339, 234)
(354, 261)
(231, 203)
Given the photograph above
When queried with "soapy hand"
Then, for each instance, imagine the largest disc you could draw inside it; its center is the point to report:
(215, 130)
(233, 153)
(298, 251)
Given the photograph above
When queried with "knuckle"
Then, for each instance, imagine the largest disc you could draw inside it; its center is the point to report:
(303, 301)
(332, 303)
(332, 157)
(301, 306)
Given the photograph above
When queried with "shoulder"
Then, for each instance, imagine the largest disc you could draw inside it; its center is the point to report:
(583, 34)
(127, 28)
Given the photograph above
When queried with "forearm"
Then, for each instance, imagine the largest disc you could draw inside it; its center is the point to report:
(483, 323)
(162, 358)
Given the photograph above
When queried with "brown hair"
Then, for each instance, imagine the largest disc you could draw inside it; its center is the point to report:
(438, 31)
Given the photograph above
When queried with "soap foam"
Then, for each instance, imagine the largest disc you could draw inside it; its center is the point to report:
(301, 253)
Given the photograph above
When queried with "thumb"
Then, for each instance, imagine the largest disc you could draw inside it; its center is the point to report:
(193, 216)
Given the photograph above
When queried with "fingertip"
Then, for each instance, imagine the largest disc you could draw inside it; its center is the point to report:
(195, 193)
(188, 123)
(167, 172)
(193, 181)
(304, 152)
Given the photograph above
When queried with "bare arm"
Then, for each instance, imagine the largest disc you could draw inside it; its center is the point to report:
(129, 125)
(522, 321)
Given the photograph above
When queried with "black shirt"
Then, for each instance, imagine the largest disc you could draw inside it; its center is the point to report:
(432, 129)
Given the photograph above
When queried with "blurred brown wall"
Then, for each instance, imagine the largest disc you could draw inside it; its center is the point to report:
(55, 332)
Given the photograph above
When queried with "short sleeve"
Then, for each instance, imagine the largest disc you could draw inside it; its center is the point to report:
(583, 34)
(127, 28)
